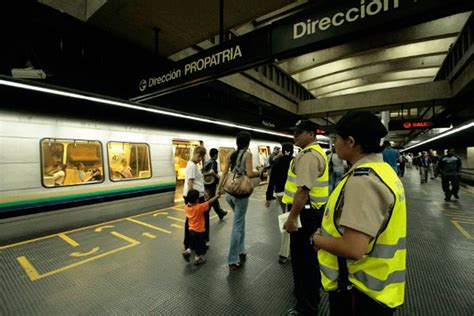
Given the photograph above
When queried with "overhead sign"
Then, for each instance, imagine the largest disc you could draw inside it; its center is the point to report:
(343, 18)
(291, 37)
(416, 124)
(220, 60)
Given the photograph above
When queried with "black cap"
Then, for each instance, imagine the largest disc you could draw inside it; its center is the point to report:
(305, 126)
(362, 125)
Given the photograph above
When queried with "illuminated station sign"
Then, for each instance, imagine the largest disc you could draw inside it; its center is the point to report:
(415, 124)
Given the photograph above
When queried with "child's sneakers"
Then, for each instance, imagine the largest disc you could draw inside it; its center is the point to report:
(199, 260)
(187, 255)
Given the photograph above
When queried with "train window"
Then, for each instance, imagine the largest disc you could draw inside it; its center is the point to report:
(129, 161)
(71, 162)
(224, 152)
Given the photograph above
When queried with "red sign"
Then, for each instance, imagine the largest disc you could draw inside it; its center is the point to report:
(408, 125)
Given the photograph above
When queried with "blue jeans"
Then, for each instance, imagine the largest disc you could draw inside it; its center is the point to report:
(237, 237)
(334, 179)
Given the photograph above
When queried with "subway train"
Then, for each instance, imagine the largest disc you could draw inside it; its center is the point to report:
(53, 161)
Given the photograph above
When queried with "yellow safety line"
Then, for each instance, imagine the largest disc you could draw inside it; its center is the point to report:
(176, 225)
(149, 235)
(28, 267)
(77, 229)
(213, 216)
(84, 261)
(68, 239)
(83, 254)
(464, 220)
(148, 225)
(177, 209)
(176, 219)
(161, 213)
(130, 240)
(462, 230)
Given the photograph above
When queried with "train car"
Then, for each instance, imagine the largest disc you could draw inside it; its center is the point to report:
(50, 161)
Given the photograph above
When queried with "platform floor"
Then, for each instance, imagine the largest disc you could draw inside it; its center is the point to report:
(134, 266)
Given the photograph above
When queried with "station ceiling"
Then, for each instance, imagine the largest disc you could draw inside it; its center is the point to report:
(404, 57)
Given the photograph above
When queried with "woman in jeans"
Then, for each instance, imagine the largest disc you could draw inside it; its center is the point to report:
(238, 204)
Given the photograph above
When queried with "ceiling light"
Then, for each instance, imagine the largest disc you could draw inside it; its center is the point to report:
(133, 106)
(449, 132)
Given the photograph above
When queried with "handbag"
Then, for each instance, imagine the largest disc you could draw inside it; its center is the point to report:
(236, 182)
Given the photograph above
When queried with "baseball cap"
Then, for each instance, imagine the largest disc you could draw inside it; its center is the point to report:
(304, 126)
(362, 125)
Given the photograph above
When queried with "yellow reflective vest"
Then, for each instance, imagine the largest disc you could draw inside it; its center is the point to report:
(380, 274)
(319, 192)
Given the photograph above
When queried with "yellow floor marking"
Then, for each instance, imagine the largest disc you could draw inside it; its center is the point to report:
(176, 219)
(178, 209)
(79, 229)
(28, 267)
(68, 239)
(176, 225)
(464, 220)
(462, 230)
(148, 225)
(38, 276)
(130, 240)
(149, 235)
(83, 254)
(99, 229)
(212, 217)
(161, 213)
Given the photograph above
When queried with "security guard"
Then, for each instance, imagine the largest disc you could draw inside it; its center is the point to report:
(362, 242)
(306, 192)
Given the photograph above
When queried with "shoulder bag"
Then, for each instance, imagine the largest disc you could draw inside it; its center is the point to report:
(236, 182)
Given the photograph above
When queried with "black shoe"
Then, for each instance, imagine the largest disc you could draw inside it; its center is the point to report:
(243, 256)
(282, 259)
(456, 196)
(187, 256)
(293, 312)
(222, 214)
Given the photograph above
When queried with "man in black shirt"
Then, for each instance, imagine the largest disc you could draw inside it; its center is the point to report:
(276, 185)
(448, 167)
(211, 180)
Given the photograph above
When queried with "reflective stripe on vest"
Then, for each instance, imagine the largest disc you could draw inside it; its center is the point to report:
(380, 274)
(319, 190)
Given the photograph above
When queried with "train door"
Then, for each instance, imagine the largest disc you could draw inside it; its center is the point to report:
(182, 153)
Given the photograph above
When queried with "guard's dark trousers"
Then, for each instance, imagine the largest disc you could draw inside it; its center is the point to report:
(356, 303)
(445, 181)
(304, 261)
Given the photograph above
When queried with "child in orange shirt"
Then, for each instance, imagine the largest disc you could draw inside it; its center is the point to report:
(197, 230)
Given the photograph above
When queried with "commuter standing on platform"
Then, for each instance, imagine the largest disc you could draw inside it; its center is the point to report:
(276, 185)
(211, 179)
(448, 167)
(336, 169)
(306, 192)
(241, 159)
(424, 167)
(194, 180)
(362, 242)
(390, 155)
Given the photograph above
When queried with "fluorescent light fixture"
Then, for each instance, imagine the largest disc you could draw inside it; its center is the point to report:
(133, 106)
(28, 73)
(449, 132)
